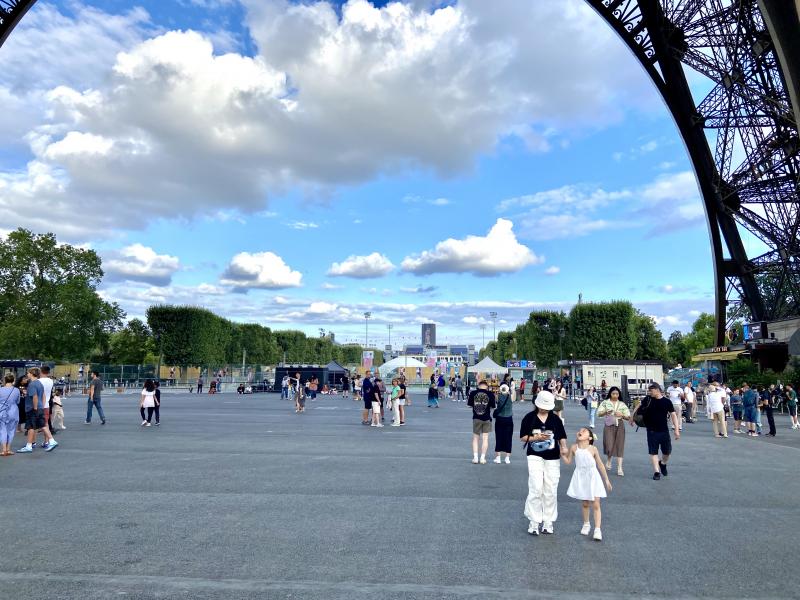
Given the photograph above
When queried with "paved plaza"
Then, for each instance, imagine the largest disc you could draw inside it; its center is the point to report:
(238, 497)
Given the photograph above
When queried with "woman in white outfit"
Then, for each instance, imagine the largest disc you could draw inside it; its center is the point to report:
(148, 401)
(543, 433)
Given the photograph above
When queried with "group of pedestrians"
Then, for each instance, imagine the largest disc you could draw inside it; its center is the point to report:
(745, 405)
(543, 434)
(376, 397)
(29, 401)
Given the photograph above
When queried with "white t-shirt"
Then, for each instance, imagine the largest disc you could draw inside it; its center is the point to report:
(714, 401)
(47, 383)
(148, 399)
(674, 394)
(689, 394)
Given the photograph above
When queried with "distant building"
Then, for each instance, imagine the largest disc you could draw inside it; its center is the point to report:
(428, 334)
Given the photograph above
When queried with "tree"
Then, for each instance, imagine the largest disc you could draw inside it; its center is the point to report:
(702, 335)
(676, 349)
(604, 330)
(132, 344)
(540, 338)
(650, 344)
(49, 306)
(188, 335)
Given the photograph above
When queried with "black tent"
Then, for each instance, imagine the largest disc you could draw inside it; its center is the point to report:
(330, 374)
(335, 374)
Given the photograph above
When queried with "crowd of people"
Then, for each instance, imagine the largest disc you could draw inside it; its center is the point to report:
(32, 405)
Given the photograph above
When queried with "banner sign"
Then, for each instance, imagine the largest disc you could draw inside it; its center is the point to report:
(367, 357)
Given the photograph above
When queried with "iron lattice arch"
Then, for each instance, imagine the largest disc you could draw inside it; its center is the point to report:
(742, 137)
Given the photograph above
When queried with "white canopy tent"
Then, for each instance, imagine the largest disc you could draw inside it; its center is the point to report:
(399, 363)
(488, 366)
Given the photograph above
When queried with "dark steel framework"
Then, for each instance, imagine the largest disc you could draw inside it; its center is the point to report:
(742, 137)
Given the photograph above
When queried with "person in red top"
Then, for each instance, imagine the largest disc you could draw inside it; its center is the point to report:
(522, 389)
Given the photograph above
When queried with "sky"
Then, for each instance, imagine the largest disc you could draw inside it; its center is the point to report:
(296, 164)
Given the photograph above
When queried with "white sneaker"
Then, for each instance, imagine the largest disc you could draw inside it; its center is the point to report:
(379, 425)
(395, 424)
(483, 460)
(497, 460)
(585, 529)
(144, 423)
(533, 528)
(547, 528)
(598, 535)
(508, 460)
(148, 425)
(474, 460)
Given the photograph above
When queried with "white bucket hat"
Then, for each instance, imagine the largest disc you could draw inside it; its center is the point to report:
(545, 400)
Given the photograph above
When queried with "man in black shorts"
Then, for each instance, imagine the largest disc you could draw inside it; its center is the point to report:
(656, 410)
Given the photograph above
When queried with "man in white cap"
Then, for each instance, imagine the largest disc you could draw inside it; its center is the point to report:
(543, 433)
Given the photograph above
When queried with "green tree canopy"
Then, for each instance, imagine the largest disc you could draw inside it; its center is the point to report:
(677, 353)
(605, 330)
(49, 306)
(650, 344)
(131, 344)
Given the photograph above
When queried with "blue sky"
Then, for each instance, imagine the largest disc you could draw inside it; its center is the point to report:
(297, 165)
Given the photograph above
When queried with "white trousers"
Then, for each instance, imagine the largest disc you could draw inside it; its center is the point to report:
(395, 412)
(543, 475)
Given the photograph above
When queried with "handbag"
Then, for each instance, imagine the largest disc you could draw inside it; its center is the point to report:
(610, 418)
(497, 410)
(638, 418)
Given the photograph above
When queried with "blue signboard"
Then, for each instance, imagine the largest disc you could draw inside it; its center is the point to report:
(519, 364)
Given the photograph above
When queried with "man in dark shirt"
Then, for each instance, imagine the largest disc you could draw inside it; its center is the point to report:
(368, 396)
(543, 432)
(482, 402)
(656, 410)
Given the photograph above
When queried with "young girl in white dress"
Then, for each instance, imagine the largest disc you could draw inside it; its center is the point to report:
(586, 483)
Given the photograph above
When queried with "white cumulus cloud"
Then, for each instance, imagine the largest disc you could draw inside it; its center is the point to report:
(362, 267)
(263, 270)
(171, 125)
(552, 270)
(140, 263)
(497, 252)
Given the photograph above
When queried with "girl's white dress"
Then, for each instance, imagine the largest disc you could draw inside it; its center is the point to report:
(586, 483)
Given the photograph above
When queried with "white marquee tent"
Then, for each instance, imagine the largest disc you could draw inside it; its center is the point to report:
(399, 363)
(488, 366)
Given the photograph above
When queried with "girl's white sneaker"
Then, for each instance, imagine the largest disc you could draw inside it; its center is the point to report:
(508, 460)
(598, 535)
(497, 460)
(585, 529)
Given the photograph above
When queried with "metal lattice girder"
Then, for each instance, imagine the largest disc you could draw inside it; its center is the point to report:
(742, 137)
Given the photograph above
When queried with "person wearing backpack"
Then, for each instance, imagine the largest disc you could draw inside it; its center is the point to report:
(482, 401)
(503, 425)
(653, 413)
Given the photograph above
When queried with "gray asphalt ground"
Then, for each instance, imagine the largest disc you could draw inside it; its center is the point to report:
(239, 497)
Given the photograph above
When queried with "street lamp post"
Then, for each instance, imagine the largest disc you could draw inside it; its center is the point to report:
(367, 316)
(389, 326)
(493, 317)
(483, 335)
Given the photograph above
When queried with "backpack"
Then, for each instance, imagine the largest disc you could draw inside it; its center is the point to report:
(638, 418)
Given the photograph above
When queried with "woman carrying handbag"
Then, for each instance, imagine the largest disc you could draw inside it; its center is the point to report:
(616, 412)
(503, 426)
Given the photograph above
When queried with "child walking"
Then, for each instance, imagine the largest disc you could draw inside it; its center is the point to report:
(586, 484)
(58, 410)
